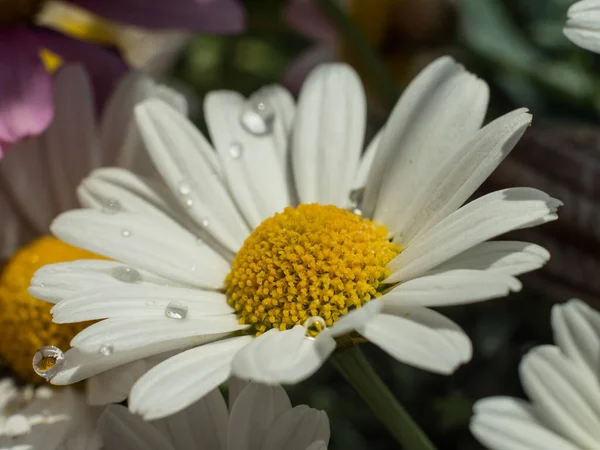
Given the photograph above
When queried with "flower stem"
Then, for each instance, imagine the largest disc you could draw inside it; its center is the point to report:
(363, 48)
(355, 368)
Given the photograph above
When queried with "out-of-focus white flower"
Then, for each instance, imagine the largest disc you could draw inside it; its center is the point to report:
(583, 24)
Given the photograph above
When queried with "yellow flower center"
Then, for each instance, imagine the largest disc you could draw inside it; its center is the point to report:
(25, 322)
(312, 260)
(13, 12)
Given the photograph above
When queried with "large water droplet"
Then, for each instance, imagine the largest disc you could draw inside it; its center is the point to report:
(125, 233)
(48, 361)
(184, 188)
(106, 350)
(176, 310)
(111, 206)
(258, 115)
(236, 150)
(126, 274)
(356, 197)
(314, 325)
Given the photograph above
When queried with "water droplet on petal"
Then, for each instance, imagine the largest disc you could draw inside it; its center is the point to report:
(106, 349)
(126, 274)
(205, 222)
(188, 202)
(176, 310)
(356, 197)
(125, 233)
(314, 325)
(48, 361)
(111, 206)
(150, 303)
(235, 150)
(199, 241)
(184, 188)
(258, 115)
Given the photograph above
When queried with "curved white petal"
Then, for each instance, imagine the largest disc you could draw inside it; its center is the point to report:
(440, 109)
(451, 288)
(283, 356)
(254, 413)
(566, 397)
(159, 246)
(576, 329)
(504, 423)
(297, 429)
(583, 24)
(255, 166)
(366, 161)
(476, 222)
(190, 168)
(328, 135)
(183, 379)
(505, 257)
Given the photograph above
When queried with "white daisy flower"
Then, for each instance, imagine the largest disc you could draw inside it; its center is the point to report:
(563, 385)
(45, 419)
(38, 180)
(262, 236)
(259, 417)
(583, 24)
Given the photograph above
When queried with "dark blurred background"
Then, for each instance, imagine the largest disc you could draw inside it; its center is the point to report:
(517, 46)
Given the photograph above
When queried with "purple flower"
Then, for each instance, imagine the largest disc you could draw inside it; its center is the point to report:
(26, 104)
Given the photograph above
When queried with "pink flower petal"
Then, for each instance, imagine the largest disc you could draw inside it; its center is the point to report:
(104, 67)
(212, 16)
(25, 89)
(306, 18)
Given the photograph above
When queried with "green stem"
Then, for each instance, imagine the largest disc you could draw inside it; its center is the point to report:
(352, 364)
(363, 48)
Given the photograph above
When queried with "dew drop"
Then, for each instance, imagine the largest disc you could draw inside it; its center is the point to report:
(236, 150)
(314, 325)
(111, 206)
(184, 188)
(257, 116)
(356, 197)
(150, 303)
(206, 222)
(106, 350)
(48, 361)
(176, 310)
(125, 233)
(126, 274)
(188, 202)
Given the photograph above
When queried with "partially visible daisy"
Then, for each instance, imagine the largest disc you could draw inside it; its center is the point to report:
(39, 181)
(291, 243)
(46, 419)
(259, 417)
(583, 24)
(563, 383)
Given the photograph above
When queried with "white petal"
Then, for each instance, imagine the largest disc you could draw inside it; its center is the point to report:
(319, 445)
(328, 135)
(159, 246)
(181, 380)
(356, 319)
(451, 288)
(113, 386)
(189, 167)
(452, 182)
(283, 356)
(122, 430)
(129, 334)
(201, 426)
(441, 108)
(419, 337)
(235, 386)
(136, 301)
(297, 428)
(56, 282)
(366, 161)
(476, 222)
(256, 167)
(567, 397)
(504, 423)
(576, 329)
(506, 257)
(583, 24)
(254, 413)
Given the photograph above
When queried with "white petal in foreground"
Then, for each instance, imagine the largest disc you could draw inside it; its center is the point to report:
(576, 329)
(440, 109)
(298, 429)
(159, 246)
(567, 398)
(181, 380)
(504, 423)
(583, 24)
(283, 356)
(478, 221)
(506, 257)
(328, 135)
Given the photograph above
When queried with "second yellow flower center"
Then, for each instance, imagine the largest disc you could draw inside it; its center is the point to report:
(25, 322)
(312, 260)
